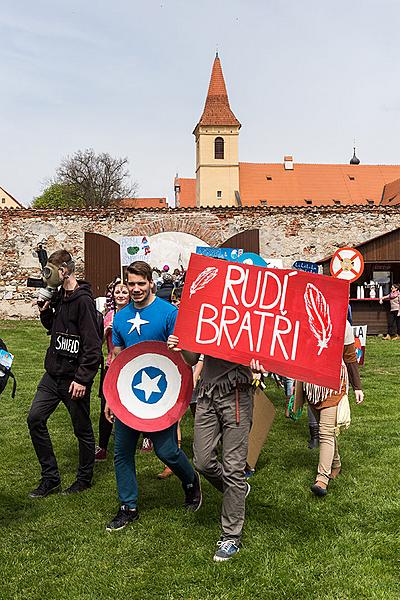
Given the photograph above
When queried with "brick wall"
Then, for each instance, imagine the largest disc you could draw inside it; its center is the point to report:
(307, 233)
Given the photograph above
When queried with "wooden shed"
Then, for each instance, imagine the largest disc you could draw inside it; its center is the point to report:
(382, 267)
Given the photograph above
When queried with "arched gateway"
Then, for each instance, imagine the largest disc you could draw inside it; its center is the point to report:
(102, 256)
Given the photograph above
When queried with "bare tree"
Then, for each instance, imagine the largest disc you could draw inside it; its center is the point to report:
(99, 179)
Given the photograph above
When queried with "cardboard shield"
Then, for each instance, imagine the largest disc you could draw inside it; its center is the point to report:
(263, 417)
(148, 387)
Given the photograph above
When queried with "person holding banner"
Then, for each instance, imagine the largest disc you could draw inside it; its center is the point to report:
(326, 405)
(146, 318)
(223, 414)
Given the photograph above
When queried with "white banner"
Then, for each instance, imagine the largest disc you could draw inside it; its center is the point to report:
(133, 248)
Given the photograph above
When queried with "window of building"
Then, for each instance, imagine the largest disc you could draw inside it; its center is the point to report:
(219, 194)
(269, 178)
(3, 200)
(263, 202)
(351, 178)
(219, 147)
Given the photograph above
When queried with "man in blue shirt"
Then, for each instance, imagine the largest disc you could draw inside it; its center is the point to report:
(146, 318)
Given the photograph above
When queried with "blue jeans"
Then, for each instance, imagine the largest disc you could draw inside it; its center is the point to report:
(165, 446)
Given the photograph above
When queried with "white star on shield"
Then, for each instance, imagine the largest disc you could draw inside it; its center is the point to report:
(148, 385)
(137, 322)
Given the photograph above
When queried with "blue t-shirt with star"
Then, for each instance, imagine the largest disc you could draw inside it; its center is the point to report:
(154, 322)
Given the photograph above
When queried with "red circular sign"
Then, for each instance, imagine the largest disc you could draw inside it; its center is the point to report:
(347, 263)
(148, 387)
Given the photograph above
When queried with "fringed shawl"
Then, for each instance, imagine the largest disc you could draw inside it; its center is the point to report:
(317, 394)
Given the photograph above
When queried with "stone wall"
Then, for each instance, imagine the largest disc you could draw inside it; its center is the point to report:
(307, 233)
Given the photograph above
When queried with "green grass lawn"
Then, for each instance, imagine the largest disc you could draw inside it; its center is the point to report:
(345, 546)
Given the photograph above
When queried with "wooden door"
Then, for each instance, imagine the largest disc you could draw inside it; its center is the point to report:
(102, 262)
(248, 240)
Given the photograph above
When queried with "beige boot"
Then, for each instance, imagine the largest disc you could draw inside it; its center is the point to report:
(165, 474)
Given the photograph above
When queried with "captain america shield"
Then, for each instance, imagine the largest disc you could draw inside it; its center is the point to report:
(148, 387)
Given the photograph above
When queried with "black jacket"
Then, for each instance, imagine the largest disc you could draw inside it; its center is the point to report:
(165, 291)
(75, 348)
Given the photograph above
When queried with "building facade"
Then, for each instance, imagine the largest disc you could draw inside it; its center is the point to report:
(222, 180)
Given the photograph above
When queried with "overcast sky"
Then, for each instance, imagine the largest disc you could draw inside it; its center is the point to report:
(130, 78)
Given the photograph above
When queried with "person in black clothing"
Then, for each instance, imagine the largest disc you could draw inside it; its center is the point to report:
(71, 363)
(166, 288)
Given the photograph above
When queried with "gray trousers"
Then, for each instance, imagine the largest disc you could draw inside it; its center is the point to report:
(220, 419)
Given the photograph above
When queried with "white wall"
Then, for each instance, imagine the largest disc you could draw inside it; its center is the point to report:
(172, 248)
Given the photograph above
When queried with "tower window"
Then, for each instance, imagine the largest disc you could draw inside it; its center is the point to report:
(219, 147)
(219, 194)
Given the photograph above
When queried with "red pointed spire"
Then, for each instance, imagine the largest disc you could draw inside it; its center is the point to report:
(216, 109)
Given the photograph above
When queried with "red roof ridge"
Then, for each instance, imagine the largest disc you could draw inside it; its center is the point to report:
(323, 164)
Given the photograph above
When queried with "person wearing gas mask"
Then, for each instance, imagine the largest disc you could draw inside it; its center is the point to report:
(68, 312)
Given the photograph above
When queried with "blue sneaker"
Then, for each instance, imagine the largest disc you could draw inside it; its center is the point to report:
(226, 549)
(249, 473)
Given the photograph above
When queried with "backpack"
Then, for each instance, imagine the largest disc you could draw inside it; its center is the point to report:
(6, 373)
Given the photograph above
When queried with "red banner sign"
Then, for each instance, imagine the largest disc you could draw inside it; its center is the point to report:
(292, 321)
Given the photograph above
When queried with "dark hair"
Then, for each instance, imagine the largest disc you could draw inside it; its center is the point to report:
(62, 258)
(141, 268)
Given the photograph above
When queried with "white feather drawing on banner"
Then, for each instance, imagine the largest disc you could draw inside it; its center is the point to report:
(203, 279)
(319, 317)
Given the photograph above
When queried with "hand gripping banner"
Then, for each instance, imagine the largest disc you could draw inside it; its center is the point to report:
(148, 387)
(292, 321)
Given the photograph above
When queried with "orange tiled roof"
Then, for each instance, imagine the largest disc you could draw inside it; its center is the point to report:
(309, 185)
(142, 203)
(186, 197)
(216, 109)
(322, 184)
(391, 193)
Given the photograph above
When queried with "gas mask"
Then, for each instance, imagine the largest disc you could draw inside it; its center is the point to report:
(52, 280)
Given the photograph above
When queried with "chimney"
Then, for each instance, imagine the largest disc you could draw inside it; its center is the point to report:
(288, 163)
(177, 190)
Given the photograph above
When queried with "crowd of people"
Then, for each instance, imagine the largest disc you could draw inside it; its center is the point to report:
(144, 308)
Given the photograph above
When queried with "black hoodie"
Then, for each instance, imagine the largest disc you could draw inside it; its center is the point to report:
(75, 348)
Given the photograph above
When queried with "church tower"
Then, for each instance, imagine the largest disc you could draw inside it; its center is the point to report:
(217, 136)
